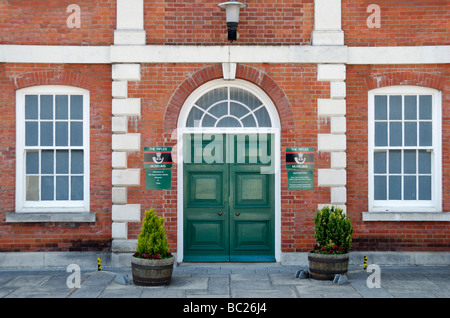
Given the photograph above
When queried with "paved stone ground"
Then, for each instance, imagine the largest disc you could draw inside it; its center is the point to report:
(256, 281)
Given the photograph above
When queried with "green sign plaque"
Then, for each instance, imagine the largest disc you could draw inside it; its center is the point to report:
(300, 180)
(300, 157)
(158, 179)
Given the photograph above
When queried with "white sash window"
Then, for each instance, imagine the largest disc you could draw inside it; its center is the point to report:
(405, 150)
(52, 149)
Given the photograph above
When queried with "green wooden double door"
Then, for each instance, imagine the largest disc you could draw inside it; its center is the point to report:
(228, 198)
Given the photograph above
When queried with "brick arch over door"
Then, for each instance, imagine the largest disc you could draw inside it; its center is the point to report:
(243, 72)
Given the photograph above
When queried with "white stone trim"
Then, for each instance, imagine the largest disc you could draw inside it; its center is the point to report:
(331, 72)
(229, 71)
(331, 107)
(126, 177)
(119, 125)
(119, 195)
(331, 177)
(126, 107)
(130, 14)
(119, 230)
(331, 142)
(294, 54)
(126, 213)
(119, 159)
(439, 54)
(129, 72)
(126, 142)
(119, 89)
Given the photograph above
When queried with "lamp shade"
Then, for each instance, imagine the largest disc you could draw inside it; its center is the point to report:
(232, 10)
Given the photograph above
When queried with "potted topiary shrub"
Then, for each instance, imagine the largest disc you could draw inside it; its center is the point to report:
(333, 233)
(152, 264)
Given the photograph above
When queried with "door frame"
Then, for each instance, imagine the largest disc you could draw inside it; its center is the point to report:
(275, 130)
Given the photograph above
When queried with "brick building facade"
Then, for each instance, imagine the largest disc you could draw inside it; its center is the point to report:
(87, 89)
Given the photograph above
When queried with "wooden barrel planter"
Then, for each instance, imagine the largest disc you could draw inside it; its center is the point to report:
(151, 272)
(325, 266)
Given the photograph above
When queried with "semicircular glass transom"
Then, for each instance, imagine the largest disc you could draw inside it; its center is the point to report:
(228, 107)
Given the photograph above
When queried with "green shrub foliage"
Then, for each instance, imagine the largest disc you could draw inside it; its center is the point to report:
(333, 231)
(152, 241)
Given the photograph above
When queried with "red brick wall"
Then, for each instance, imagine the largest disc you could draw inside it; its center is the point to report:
(58, 236)
(390, 236)
(44, 22)
(403, 22)
(294, 90)
(202, 22)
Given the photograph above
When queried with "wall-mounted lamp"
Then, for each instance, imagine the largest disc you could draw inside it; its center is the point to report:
(232, 10)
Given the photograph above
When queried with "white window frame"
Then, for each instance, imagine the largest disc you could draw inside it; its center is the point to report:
(49, 206)
(387, 206)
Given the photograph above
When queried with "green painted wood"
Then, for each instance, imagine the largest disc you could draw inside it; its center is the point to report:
(228, 199)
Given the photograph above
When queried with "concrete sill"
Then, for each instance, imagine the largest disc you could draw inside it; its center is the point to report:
(63, 217)
(406, 216)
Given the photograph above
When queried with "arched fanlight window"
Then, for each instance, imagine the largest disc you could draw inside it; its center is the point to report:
(228, 107)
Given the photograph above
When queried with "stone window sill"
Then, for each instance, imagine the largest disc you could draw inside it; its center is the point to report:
(62, 217)
(406, 216)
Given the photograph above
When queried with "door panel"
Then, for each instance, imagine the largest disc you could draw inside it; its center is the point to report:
(251, 214)
(206, 212)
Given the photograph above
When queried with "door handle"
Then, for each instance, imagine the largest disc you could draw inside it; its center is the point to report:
(220, 213)
(237, 213)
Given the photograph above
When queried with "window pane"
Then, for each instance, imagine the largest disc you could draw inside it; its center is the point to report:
(263, 118)
(395, 161)
(395, 134)
(395, 186)
(208, 121)
(61, 107)
(248, 121)
(381, 134)
(47, 188)
(409, 160)
(31, 107)
(46, 107)
(380, 107)
(194, 117)
(380, 188)
(379, 159)
(410, 107)
(424, 161)
(31, 133)
(76, 107)
(228, 122)
(212, 97)
(219, 110)
(410, 134)
(425, 110)
(46, 134)
(62, 188)
(47, 162)
(395, 107)
(409, 188)
(62, 133)
(32, 162)
(76, 134)
(424, 188)
(425, 134)
(62, 161)
(32, 188)
(76, 163)
(76, 185)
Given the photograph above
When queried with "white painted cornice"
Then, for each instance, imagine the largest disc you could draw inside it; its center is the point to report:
(295, 54)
